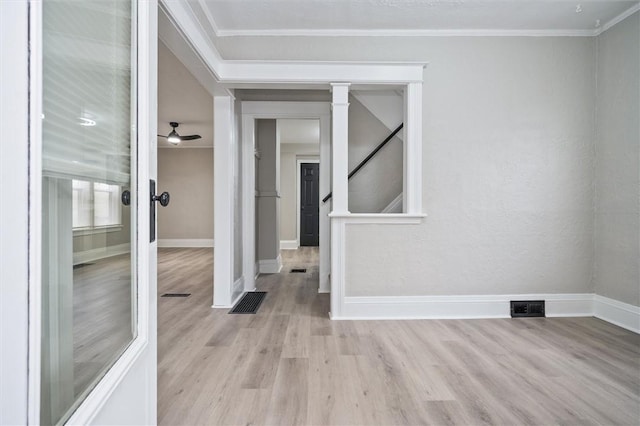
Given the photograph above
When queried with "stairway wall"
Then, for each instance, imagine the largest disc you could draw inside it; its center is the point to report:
(379, 182)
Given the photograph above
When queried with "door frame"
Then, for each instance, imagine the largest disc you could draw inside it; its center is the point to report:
(299, 161)
(251, 111)
(141, 350)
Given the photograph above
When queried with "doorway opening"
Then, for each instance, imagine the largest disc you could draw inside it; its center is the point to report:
(279, 136)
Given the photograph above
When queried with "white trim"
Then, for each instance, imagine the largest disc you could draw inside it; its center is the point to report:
(100, 253)
(186, 242)
(338, 268)
(285, 109)
(340, 148)
(488, 32)
(619, 313)
(14, 214)
(317, 73)
(223, 127)
(35, 210)
(181, 49)
(393, 205)
(270, 266)
(412, 141)
(624, 15)
(238, 289)
(209, 16)
(250, 267)
(382, 218)
(459, 307)
(299, 161)
(289, 245)
(182, 16)
(231, 305)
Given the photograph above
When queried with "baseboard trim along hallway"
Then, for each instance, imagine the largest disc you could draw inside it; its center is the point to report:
(488, 306)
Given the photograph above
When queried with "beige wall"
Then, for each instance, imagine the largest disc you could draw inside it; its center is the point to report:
(617, 201)
(289, 153)
(187, 174)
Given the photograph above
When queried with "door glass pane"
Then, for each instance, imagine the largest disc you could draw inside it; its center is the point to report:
(88, 280)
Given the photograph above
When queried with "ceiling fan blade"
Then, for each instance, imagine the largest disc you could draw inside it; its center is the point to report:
(190, 137)
(162, 136)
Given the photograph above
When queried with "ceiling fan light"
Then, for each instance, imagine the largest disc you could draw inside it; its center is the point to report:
(173, 138)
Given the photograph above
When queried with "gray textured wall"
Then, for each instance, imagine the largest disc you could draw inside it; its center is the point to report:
(617, 216)
(268, 186)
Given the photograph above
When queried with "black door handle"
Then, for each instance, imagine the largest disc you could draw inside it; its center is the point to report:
(164, 198)
(164, 202)
(126, 197)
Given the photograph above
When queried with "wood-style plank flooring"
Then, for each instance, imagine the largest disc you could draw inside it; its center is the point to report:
(291, 365)
(102, 326)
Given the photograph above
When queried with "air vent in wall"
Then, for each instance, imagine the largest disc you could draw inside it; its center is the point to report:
(527, 308)
(299, 270)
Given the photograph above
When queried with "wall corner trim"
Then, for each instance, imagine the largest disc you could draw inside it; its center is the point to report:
(460, 306)
(619, 313)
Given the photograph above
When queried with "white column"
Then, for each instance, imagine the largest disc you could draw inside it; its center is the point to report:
(340, 147)
(223, 199)
(412, 200)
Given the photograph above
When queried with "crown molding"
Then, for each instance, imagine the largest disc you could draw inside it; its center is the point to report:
(407, 33)
(209, 16)
(487, 32)
(624, 15)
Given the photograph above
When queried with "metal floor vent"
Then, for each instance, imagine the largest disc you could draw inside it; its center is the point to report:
(249, 303)
(176, 295)
(299, 270)
(527, 308)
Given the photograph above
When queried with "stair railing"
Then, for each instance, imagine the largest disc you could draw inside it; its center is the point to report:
(369, 157)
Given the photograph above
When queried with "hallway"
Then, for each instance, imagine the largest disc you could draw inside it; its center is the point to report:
(289, 364)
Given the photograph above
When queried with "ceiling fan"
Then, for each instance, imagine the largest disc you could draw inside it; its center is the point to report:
(174, 138)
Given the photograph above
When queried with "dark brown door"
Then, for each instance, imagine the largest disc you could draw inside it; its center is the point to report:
(309, 204)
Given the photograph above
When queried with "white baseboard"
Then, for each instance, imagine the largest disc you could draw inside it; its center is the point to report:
(233, 298)
(460, 307)
(100, 253)
(238, 289)
(289, 244)
(619, 313)
(270, 266)
(193, 242)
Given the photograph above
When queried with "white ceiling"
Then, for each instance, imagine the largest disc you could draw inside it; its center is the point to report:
(405, 17)
(182, 98)
(299, 131)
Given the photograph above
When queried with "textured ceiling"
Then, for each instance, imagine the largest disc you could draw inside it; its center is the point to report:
(362, 17)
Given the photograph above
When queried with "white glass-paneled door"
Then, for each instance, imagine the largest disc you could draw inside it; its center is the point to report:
(92, 329)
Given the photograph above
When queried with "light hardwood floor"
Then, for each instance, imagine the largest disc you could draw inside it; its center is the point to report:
(102, 326)
(290, 364)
